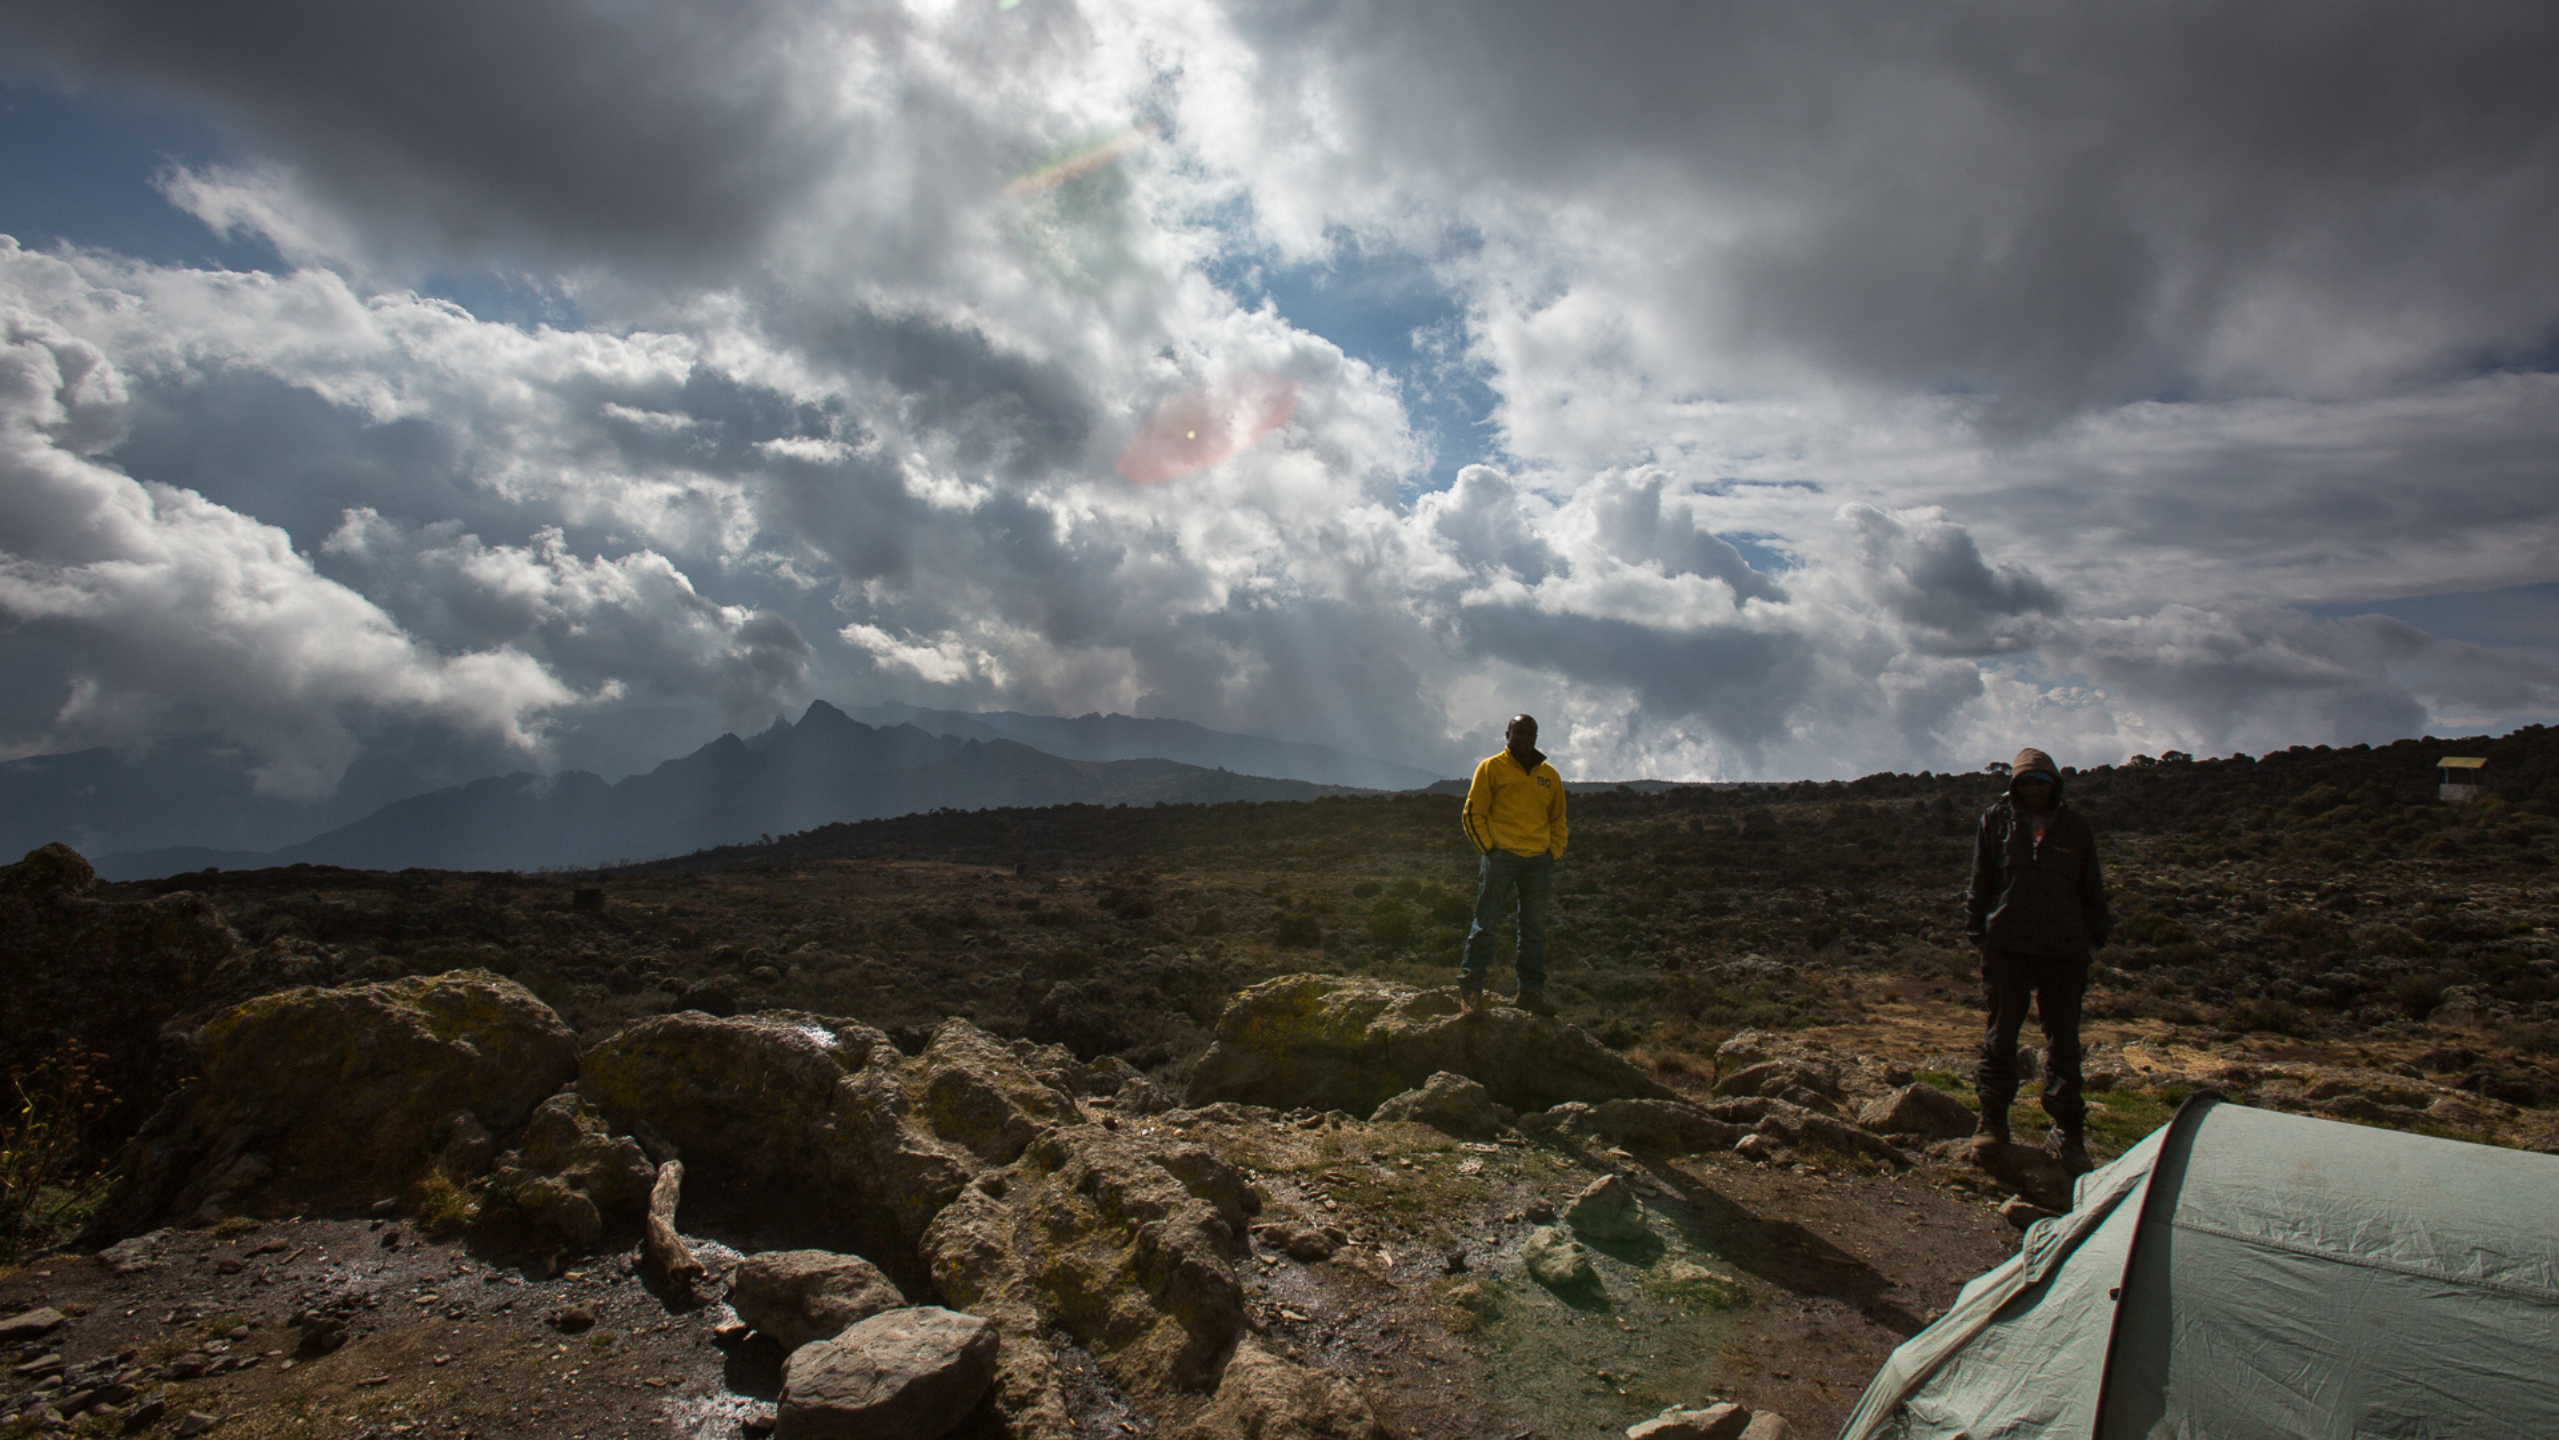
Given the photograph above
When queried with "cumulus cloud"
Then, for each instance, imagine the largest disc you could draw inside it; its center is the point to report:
(189, 615)
(1487, 525)
(2054, 355)
(1636, 523)
(2251, 678)
(1931, 573)
(608, 626)
(2050, 207)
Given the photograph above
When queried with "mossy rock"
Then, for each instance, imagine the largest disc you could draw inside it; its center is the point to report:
(1347, 1042)
(334, 1098)
(573, 1173)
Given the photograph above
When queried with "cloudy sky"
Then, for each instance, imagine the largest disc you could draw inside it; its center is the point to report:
(1749, 391)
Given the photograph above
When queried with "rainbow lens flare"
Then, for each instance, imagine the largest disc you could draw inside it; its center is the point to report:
(1075, 162)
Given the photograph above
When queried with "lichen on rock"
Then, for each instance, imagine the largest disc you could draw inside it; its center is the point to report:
(1557, 1262)
(798, 1296)
(1347, 1042)
(1127, 1244)
(1450, 1104)
(1264, 1397)
(573, 1173)
(334, 1097)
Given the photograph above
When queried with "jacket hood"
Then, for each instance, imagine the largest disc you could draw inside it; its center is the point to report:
(2031, 761)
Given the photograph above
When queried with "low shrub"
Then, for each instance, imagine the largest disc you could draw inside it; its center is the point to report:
(51, 1176)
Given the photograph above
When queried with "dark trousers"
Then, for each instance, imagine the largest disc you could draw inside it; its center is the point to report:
(2055, 986)
(1506, 878)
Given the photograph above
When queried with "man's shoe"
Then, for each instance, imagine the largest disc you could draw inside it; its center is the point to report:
(1993, 1130)
(2071, 1151)
(1470, 1002)
(1534, 1002)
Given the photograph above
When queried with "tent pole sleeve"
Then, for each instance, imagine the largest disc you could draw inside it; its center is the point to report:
(2181, 1134)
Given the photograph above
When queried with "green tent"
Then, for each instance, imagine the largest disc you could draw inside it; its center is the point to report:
(2243, 1272)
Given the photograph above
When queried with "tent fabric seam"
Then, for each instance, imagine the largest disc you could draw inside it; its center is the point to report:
(2176, 1143)
(2525, 1291)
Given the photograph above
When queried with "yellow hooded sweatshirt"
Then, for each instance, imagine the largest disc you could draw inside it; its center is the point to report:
(1516, 809)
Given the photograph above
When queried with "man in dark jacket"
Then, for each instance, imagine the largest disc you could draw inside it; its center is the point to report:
(2036, 911)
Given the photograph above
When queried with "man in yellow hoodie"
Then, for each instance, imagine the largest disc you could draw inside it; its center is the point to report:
(1515, 816)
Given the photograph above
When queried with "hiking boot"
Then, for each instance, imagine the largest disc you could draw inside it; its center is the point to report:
(1993, 1129)
(1534, 1002)
(1470, 1002)
(2072, 1151)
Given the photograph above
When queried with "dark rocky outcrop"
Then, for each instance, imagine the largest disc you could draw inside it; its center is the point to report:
(828, 1112)
(1336, 1042)
(963, 1173)
(109, 975)
(335, 1098)
(572, 1173)
(1127, 1243)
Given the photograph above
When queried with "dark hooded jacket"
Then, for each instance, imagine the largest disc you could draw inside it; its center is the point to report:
(2047, 899)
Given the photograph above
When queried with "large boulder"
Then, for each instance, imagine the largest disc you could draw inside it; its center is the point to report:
(321, 1099)
(1126, 1243)
(1337, 1042)
(797, 1296)
(1263, 1397)
(908, 1374)
(573, 1173)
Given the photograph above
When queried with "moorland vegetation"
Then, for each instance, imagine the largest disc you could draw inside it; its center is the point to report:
(2310, 893)
(1771, 972)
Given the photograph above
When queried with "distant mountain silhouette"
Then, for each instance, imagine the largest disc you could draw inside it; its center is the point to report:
(198, 790)
(826, 768)
(1123, 737)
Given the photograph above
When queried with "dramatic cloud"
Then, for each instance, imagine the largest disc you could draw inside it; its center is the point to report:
(188, 615)
(1810, 392)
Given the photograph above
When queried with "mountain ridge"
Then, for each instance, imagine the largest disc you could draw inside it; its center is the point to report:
(826, 768)
(1096, 736)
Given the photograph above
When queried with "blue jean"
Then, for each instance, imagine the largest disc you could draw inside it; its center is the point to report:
(1506, 879)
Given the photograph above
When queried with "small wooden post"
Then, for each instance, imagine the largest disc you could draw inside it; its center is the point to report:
(666, 1249)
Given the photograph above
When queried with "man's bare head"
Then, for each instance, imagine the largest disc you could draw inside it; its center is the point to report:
(1522, 733)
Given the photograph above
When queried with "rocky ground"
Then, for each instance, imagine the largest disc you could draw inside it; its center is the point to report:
(2307, 931)
(1779, 1284)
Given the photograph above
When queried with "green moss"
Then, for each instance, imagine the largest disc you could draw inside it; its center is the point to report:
(1689, 1283)
(2120, 1118)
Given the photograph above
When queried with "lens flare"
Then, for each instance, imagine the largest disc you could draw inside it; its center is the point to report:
(1199, 428)
(1075, 162)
